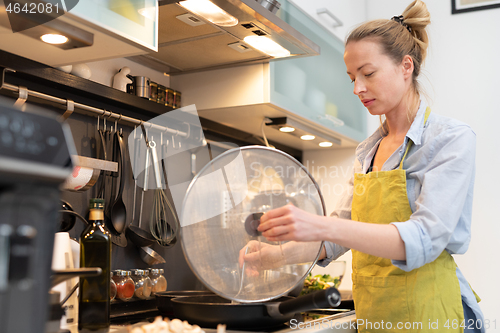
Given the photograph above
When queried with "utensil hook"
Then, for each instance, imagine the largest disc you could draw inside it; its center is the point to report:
(23, 96)
(70, 107)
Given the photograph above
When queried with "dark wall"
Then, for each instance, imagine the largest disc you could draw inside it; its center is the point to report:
(177, 272)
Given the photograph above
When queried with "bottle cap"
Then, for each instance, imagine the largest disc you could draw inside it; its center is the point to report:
(96, 203)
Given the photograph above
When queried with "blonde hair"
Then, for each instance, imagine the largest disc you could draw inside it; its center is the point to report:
(398, 39)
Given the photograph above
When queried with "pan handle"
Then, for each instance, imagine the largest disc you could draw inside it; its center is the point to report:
(326, 298)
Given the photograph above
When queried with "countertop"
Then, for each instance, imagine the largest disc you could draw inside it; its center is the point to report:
(342, 322)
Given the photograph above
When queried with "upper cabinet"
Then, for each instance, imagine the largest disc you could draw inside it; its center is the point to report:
(314, 94)
(338, 17)
(96, 30)
(318, 88)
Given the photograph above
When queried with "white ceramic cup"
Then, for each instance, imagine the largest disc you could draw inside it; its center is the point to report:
(82, 71)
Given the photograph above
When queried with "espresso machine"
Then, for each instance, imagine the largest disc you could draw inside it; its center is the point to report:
(35, 159)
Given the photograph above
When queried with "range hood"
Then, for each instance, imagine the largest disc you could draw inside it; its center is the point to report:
(189, 43)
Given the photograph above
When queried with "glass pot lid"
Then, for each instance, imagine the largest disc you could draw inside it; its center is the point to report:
(221, 212)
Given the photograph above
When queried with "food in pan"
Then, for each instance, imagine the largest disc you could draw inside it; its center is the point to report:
(318, 282)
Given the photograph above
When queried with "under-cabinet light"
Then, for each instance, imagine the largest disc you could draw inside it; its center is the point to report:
(325, 144)
(267, 45)
(54, 38)
(287, 129)
(210, 12)
(302, 129)
(308, 137)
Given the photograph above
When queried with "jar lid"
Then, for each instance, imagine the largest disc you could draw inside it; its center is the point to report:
(96, 203)
(123, 273)
(220, 215)
(139, 272)
(161, 270)
(155, 271)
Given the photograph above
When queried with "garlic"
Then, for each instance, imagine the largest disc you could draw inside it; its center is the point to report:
(176, 326)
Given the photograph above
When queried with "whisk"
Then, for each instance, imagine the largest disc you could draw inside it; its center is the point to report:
(162, 230)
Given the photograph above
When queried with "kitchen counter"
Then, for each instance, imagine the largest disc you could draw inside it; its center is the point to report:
(342, 322)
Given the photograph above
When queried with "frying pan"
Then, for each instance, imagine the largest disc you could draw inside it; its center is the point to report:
(164, 299)
(209, 311)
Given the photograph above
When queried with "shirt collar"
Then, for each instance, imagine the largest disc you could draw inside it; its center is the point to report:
(417, 127)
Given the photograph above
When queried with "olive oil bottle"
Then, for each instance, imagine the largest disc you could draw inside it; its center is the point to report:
(95, 251)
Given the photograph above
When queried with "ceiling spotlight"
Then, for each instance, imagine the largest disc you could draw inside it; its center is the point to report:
(325, 144)
(54, 38)
(308, 137)
(287, 129)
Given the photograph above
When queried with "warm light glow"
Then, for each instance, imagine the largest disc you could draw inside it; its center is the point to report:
(325, 144)
(149, 12)
(287, 129)
(267, 45)
(210, 12)
(307, 137)
(54, 38)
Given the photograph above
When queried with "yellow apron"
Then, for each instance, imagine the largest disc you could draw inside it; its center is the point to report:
(386, 298)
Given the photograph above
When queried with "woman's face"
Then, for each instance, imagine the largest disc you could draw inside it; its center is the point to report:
(379, 83)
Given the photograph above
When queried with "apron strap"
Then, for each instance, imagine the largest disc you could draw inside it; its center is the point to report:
(410, 143)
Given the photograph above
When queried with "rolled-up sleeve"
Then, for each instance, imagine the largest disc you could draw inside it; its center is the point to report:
(441, 208)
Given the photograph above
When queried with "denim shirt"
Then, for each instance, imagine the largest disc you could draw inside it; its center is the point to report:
(440, 168)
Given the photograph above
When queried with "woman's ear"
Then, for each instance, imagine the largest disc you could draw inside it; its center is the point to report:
(407, 64)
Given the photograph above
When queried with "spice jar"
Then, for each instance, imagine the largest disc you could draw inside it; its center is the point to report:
(112, 288)
(177, 99)
(154, 91)
(161, 94)
(125, 286)
(148, 285)
(158, 280)
(139, 281)
(169, 97)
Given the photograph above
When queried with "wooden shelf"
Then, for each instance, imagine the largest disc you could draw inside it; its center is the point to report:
(49, 80)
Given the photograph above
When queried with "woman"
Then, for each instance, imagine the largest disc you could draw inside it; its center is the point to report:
(409, 203)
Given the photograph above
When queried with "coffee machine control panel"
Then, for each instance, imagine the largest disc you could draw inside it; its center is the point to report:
(33, 144)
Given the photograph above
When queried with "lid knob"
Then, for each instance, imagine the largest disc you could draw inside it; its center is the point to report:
(252, 223)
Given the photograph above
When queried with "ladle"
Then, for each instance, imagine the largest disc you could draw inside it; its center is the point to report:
(137, 235)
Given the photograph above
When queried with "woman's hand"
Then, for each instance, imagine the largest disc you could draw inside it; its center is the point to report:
(259, 256)
(292, 223)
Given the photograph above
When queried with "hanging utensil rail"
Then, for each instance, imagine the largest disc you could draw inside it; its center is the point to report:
(82, 108)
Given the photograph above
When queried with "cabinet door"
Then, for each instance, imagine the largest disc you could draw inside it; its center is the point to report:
(318, 88)
(135, 21)
(328, 13)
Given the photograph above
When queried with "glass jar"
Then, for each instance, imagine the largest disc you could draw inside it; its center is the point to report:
(159, 282)
(148, 285)
(112, 288)
(125, 286)
(162, 281)
(138, 277)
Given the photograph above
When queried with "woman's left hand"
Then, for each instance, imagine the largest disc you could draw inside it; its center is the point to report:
(291, 223)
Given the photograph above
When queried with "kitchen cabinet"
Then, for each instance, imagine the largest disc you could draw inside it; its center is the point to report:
(318, 88)
(117, 27)
(313, 92)
(350, 13)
